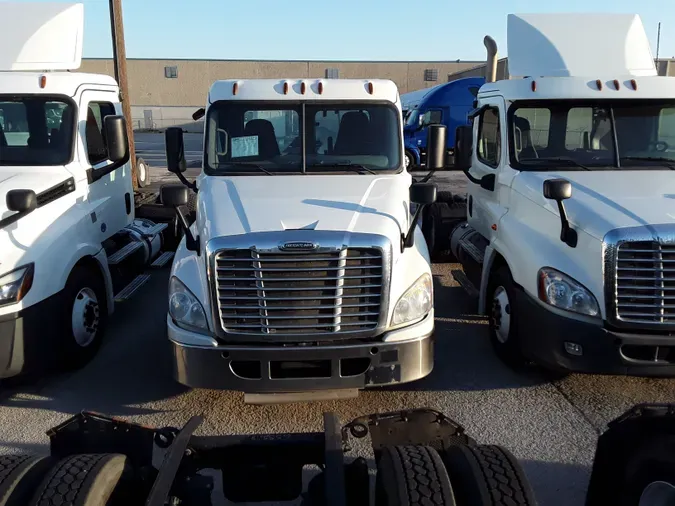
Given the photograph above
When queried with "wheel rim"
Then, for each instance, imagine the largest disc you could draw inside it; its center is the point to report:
(85, 317)
(657, 493)
(501, 314)
(407, 161)
(141, 171)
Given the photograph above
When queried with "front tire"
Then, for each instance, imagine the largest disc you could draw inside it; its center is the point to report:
(409, 161)
(143, 173)
(84, 317)
(503, 311)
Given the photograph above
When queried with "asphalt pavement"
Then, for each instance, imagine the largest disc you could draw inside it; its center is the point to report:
(551, 426)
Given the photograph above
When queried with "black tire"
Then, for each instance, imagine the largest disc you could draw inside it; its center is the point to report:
(409, 160)
(78, 349)
(142, 173)
(506, 342)
(487, 475)
(19, 475)
(412, 475)
(83, 480)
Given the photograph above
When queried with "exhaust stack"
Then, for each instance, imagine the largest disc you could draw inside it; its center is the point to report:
(491, 64)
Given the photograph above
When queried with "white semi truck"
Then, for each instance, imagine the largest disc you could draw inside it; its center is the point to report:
(569, 242)
(70, 246)
(303, 273)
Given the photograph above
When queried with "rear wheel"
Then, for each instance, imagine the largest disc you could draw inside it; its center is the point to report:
(19, 475)
(84, 480)
(412, 475)
(487, 475)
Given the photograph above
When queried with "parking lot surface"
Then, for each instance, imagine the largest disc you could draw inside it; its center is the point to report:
(551, 426)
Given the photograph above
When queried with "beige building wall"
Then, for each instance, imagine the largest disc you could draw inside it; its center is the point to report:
(148, 85)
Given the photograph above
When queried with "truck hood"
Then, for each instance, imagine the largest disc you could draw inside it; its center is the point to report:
(604, 200)
(37, 179)
(347, 203)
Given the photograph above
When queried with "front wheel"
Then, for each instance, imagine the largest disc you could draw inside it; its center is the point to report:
(409, 161)
(143, 173)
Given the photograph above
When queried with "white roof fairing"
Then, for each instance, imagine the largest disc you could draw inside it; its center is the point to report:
(333, 89)
(565, 45)
(39, 37)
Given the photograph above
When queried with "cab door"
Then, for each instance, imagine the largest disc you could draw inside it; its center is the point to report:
(489, 164)
(111, 196)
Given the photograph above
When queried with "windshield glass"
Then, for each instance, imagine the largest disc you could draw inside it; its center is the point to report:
(35, 131)
(255, 137)
(640, 134)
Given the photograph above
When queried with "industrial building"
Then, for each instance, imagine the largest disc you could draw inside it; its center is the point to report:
(166, 92)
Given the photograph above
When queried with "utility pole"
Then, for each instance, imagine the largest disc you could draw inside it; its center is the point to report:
(120, 63)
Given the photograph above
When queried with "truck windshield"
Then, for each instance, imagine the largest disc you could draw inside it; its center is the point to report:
(594, 136)
(291, 137)
(36, 130)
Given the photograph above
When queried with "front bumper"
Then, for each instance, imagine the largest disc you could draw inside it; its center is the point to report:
(544, 334)
(394, 358)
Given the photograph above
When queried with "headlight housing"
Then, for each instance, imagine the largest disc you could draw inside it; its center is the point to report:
(184, 307)
(561, 291)
(15, 284)
(416, 302)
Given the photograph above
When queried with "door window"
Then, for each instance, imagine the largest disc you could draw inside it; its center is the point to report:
(97, 150)
(489, 138)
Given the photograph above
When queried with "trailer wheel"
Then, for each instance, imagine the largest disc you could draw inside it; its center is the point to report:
(83, 480)
(503, 313)
(19, 475)
(142, 173)
(410, 476)
(487, 475)
(85, 316)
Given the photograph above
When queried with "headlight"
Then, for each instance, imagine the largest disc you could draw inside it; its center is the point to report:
(184, 307)
(563, 292)
(415, 302)
(15, 285)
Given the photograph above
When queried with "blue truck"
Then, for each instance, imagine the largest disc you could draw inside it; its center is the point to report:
(447, 104)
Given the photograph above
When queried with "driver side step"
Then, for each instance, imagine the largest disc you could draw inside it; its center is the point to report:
(128, 291)
(162, 259)
(465, 283)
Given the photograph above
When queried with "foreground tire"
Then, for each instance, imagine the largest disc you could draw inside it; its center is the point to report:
(412, 475)
(143, 173)
(487, 475)
(19, 475)
(84, 317)
(83, 480)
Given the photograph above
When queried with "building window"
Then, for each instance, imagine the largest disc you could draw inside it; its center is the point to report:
(431, 75)
(332, 73)
(171, 72)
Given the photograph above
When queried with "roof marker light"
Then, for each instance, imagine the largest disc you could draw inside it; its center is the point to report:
(235, 88)
(633, 83)
(320, 88)
(43, 81)
(616, 83)
(303, 87)
(598, 82)
(370, 88)
(286, 88)
(534, 85)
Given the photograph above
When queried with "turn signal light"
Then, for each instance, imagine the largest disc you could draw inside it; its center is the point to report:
(43, 81)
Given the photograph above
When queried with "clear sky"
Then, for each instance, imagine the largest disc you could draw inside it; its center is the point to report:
(338, 29)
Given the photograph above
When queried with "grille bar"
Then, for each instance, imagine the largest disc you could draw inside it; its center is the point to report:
(261, 293)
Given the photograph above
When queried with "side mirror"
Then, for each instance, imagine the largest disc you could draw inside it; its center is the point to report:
(174, 195)
(199, 114)
(21, 201)
(436, 139)
(423, 193)
(116, 139)
(175, 150)
(560, 190)
(463, 147)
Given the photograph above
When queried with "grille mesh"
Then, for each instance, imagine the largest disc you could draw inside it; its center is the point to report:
(298, 293)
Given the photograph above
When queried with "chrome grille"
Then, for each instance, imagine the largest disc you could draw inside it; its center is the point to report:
(299, 293)
(645, 282)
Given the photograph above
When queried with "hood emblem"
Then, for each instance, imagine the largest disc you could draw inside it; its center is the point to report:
(299, 246)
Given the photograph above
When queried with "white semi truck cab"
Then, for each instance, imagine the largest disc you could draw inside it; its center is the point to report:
(70, 245)
(303, 268)
(569, 241)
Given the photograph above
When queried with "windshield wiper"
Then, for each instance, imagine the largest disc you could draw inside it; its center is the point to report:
(344, 165)
(670, 163)
(249, 164)
(570, 161)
